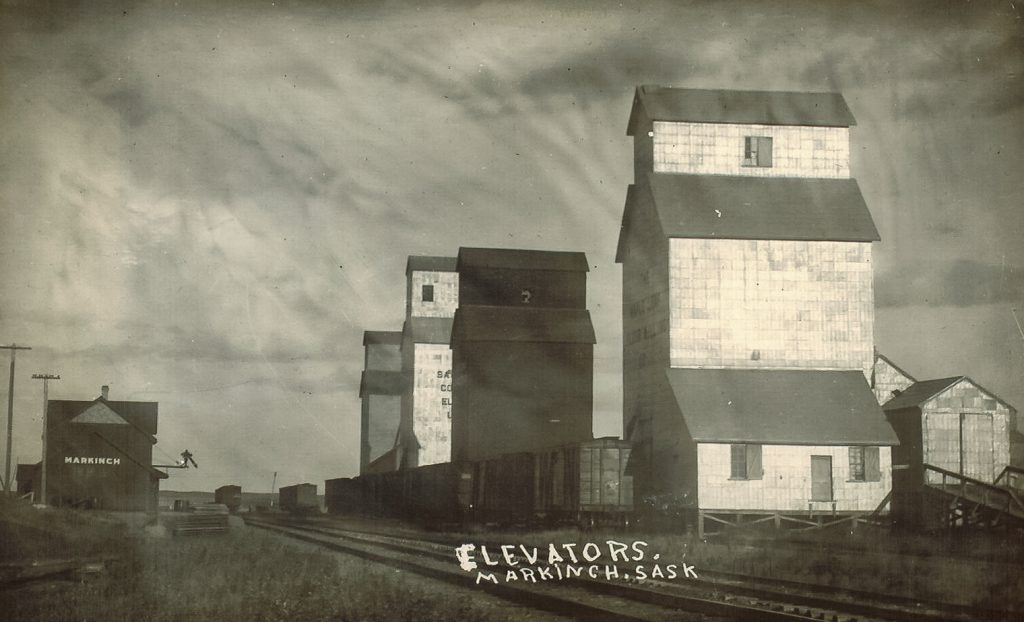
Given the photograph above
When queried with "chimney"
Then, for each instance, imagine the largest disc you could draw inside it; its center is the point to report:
(104, 391)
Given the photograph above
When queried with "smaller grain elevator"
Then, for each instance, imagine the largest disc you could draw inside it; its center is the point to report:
(432, 289)
(380, 389)
(522, 352)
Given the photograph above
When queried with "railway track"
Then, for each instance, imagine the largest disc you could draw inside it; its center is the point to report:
(585, 598)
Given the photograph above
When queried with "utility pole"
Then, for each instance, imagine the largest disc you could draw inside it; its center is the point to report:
(10, 413)
(46, 378)
(273, 485)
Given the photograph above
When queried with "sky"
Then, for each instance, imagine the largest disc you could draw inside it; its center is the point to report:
(206, 204)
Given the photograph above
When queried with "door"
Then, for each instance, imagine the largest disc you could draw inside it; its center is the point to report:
(821, 478)
(977, 458)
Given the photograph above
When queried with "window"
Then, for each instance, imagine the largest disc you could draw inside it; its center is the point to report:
(745, 462)
(757, 151)
(428, 293)
(864, 464)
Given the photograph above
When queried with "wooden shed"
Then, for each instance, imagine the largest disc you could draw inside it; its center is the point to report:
(952, 465)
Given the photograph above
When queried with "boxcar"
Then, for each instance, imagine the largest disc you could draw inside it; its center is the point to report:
(583, 483)
(596, 487)
(438, 493)
(504, 489)
(343, 496)
(298, 499)
(230, 496)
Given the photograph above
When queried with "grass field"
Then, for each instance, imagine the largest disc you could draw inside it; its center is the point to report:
(244, 575)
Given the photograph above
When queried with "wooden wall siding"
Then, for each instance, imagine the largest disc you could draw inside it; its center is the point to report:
(771, 303)
(431, 401)
(888, 379)
(986, 432)
(718, 149)
(446, 294)
(786, 483)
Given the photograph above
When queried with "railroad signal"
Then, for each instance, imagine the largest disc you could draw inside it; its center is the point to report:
(186, 458)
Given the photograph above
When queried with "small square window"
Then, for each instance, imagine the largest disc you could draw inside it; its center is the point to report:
(865, 465)
(757, 151)
(428, 293)
(745, 462)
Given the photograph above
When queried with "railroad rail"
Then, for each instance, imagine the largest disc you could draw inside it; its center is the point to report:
(714, 594)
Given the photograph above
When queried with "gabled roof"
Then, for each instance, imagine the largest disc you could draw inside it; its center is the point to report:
(376, 382)
(539, 325)
(382, 337)
(881, 357)
(425, 263)
(521, 259)
(788, 407)
(428, 329)
(920, 392)
(99, 413)
(660, 103)
(140, 415)
(760, 208)
(924, 390)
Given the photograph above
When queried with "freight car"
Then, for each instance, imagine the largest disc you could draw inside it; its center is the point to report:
(230, 496)
(298, 499)
(583, 483)
(343, 495)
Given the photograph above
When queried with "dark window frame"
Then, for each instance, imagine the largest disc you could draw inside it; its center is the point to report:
(856, 458)
(745, 462)
(757, 151)
(427, 293)
(870, 468)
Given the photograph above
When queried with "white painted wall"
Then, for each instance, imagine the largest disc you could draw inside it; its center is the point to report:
(718, 149)
(786, 484)
(446, 294)
(805, 305)
(432, 411)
